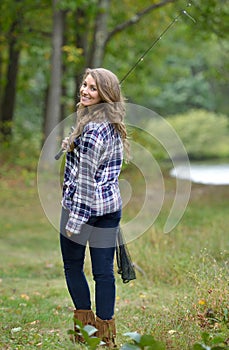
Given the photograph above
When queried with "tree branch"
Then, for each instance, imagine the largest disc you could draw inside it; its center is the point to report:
(136, 18)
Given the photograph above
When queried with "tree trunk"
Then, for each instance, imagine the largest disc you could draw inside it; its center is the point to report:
(1, 71)
(93, 56)
(100, 35)
(52, 116)
(9, 94)
(63, 85)
(81, 42)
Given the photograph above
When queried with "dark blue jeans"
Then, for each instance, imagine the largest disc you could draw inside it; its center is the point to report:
(100, 233)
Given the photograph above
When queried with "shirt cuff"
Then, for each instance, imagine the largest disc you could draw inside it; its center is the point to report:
(73, 224)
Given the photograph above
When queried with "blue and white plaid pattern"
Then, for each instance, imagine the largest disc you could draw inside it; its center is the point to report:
(91, 174)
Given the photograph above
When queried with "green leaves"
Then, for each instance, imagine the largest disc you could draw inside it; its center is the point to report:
(134, 336)
(130, 347)
(211, 342)
(148, 342)
(207, 129)
(87, 332)
(145, 341)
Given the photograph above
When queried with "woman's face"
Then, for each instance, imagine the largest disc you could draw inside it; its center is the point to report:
(88, 92)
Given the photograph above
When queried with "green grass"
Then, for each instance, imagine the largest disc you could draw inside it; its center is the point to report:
(185, 272)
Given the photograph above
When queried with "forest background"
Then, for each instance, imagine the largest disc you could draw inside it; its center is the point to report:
(45, 48)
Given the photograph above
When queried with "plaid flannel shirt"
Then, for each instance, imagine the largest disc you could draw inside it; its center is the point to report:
(91, 174)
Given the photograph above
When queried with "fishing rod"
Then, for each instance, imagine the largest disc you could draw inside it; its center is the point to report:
(141, 58)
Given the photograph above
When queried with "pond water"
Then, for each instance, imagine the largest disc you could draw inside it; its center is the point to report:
(207, 174)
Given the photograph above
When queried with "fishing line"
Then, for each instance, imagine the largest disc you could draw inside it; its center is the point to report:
(141, 58)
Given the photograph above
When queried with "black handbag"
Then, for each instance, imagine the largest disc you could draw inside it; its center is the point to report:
(124, 262)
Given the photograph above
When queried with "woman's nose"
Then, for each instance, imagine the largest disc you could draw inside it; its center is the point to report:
(84, 90)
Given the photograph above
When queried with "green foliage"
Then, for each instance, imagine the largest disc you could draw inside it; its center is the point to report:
(174, 77)
(208, 14)
(87, 333)
(204, 134)
(210, 342)
(147, 141)
(185, 93)
(181, 71)
(142, 342)
(24, 147)
(145, 341)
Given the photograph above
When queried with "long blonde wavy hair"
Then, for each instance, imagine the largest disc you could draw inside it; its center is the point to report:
(111, 107)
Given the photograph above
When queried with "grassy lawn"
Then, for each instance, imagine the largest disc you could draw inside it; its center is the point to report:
(182, 277)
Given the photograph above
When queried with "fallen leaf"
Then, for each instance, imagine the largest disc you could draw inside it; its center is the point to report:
(142, 295)
(16, 329)
(25, 296)
(34, 322)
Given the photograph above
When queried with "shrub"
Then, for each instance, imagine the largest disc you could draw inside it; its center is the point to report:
(204, 134)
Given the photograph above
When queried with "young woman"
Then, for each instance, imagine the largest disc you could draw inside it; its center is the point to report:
(91, 198)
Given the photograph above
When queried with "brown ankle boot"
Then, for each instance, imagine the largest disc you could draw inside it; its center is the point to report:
(106, 331)
(85, 317)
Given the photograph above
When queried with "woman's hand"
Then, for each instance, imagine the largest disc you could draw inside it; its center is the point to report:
(64, 144)
(68, 233)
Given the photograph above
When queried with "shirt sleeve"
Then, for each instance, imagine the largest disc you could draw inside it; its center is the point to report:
(91, 146)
